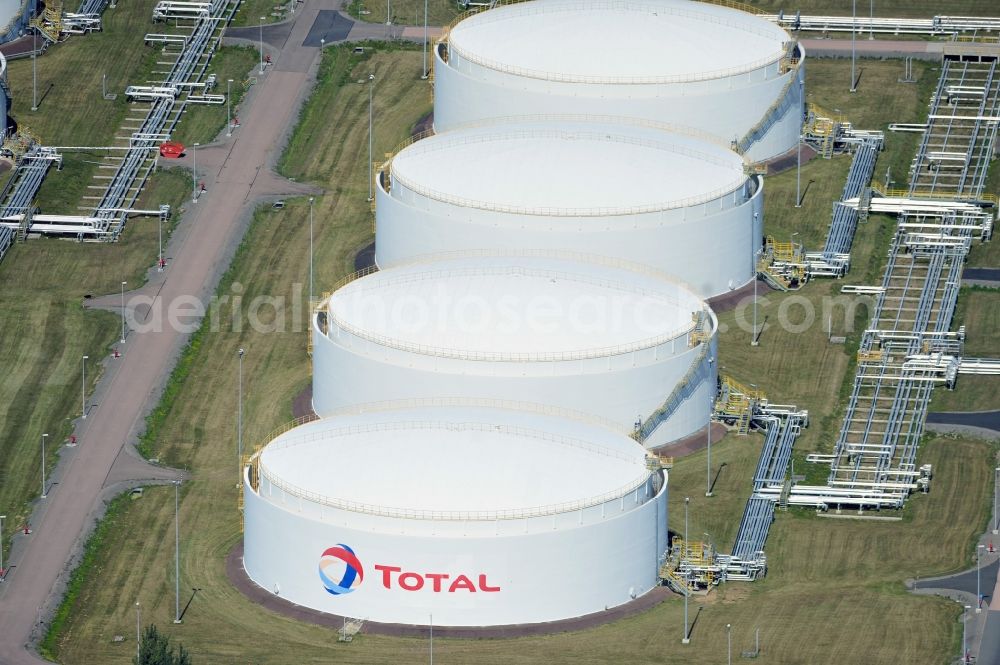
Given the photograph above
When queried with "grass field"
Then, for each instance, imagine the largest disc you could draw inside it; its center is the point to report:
(46, 332)
(820, 568)
(893, 8)
(202, 123)
(406, 12)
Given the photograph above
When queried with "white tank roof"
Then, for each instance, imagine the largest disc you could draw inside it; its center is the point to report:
(596, 41)
(454, 463)
(518, 308)
(550, 167)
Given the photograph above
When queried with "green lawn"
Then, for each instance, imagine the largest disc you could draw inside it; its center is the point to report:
(46, 333)
(834, 594)
(202, 123)
(893, 8)
(406, 12)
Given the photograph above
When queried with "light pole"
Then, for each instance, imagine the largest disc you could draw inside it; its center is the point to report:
(159, 233)
(708, 440)
(423, 73)
(871, 20)
(729, 644)
(229, 108)
(854, 35)
(965, 642)
(123, 311)
(194, 175)
(310, 249)
(2, 518)
(996, 500)
(261, 24)
(979, 594)
(34, 68)
(44, 495)
(686, 639)
(83, 389)
(138, 634)
(432, 638)
(177, 555)
(388, 12)
(371, 86)
(239, 426)
(753, 268)
(798, 157)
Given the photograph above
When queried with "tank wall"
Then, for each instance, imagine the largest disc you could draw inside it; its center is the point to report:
(726, 107)
(710, 247)
(623, 388)
(530, 578)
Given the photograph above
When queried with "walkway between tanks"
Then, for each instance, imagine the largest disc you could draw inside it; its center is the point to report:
(241, 167)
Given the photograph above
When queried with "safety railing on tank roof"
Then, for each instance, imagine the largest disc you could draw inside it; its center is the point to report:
(542, 8)
(556, 211)
(434, 272)
(391, 511)
(510, 357)
(325, 434)
(564, 255)
(471, 402)
(740, 6)
(448, 515)
(666, 127)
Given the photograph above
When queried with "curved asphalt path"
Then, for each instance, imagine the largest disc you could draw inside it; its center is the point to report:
(238, 175)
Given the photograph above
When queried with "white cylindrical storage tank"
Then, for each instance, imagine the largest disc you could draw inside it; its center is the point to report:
(677, 202)
(623, 344)
(733, 74)
(475, 516)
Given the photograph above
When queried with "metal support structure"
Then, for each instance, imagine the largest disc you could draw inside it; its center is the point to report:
(229, 107)
(3, 571)
(854, 33)
(687, 634)
(34, 70)
(194, 174)
(423, 73)
(138, 631)
(261, 25)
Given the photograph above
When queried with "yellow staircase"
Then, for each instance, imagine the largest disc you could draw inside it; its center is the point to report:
(18, 144)
(736, 403)
(49, 22)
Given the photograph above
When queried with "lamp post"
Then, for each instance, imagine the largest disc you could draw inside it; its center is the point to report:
(83, 389)
(124, 284)
(854, 35)
(388, 12)
(996, 500)
(2, 569)
(371, 86)
(423, 72)
(159, 234)
(177, 554)
(44, 494)
(686, 639)
(754, 258)
(965, 642)
(138, 633)
(34, 69)
(310, 249)
(194, 175)
(729, 644)
(979, 594)
(261, 24)
(432, 638)
(229, 108)
(239, 426)
(798, 155)
(871, 19)
(708, 441)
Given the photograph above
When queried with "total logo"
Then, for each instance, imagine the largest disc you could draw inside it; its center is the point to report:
(341, 572)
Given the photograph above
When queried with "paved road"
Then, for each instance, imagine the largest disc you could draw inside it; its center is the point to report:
(878, 48)
(979, 423)
(237, 173)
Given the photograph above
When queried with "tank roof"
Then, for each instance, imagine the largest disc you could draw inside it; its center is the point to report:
(515, 308)
(568, 168)
(454, 463)
(597, 41)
